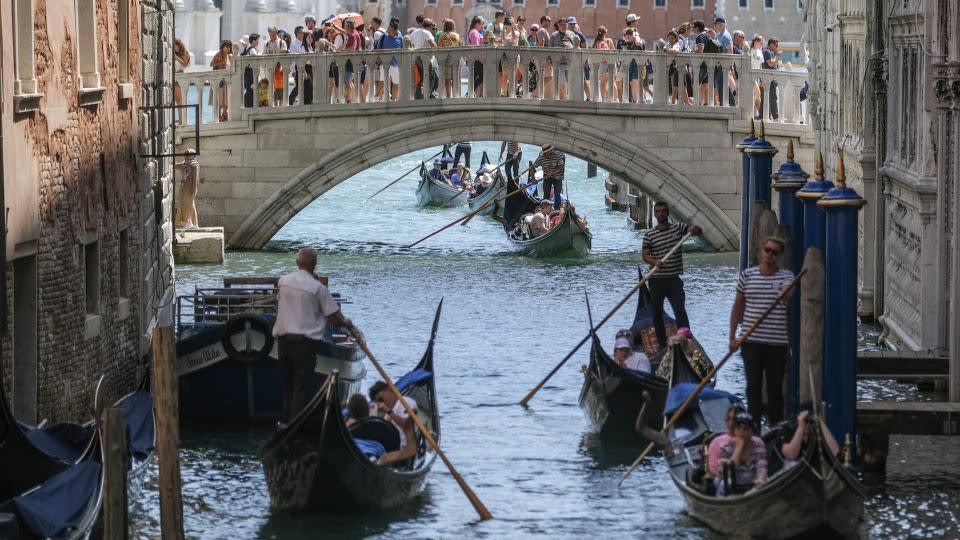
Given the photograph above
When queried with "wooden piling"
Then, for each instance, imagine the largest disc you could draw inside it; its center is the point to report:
(591, 170)
(114, 430)
(168, 433)
(812, 294)
(763, 223)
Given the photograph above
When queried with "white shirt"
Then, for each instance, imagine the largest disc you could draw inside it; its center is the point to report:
(637, 362)
(401, 412)
(303, 305)
(420, 37)
(296, 46)
(375, 40)
(275, 46)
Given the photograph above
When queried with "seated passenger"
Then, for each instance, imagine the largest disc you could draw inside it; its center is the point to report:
(357, 409)
(460, 176)
(792, 449)
(713, 451)
(539, 222)
(625, 356)
(437, 173)
(743, 458)
(394, 411)
(556, 217)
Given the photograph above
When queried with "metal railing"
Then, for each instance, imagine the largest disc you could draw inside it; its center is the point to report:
(218, 305)
(364, 81)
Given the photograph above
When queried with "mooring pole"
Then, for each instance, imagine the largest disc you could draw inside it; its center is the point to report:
(841, 205)
(745, 208)
(166, 405)
(114, 440)
(787, 181)
(761, 154)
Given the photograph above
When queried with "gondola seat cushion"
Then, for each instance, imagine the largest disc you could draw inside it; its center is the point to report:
(414, 377)
(378, 430)
(138, 410)
(372, 449)
(58, 506)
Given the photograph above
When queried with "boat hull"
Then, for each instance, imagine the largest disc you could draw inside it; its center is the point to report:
(433, 193)
(244, 389)
(785, 508)
(568, 238)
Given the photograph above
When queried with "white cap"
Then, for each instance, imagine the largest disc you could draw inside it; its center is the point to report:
(622, 343)
(489, 168)
(631, 17)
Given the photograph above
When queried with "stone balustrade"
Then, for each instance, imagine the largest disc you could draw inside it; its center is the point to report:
(615, 80)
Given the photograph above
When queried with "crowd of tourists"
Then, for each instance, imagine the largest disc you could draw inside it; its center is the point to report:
(632, 81)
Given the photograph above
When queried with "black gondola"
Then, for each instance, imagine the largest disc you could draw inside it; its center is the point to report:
(52, 479)
(314, 463)
(612, 396)
(813, 493)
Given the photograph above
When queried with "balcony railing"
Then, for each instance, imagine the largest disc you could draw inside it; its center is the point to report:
(606, 79)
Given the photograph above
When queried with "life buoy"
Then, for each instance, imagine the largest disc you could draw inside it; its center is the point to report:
(243, 323)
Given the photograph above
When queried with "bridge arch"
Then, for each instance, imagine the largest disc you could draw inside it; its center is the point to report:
(642, 168)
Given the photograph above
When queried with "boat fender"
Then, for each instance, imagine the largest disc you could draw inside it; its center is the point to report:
(240, 324)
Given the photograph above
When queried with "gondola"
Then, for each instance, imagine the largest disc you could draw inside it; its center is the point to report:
(815, 493)
(570, 237)
(52, 480)
(617, 400)
(430, 192)
(227, 356)
(315, 463)
(496, 189)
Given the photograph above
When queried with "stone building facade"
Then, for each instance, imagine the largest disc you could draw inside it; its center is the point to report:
(885, 93)
(655, 19)
(202, 24)
(89, 266)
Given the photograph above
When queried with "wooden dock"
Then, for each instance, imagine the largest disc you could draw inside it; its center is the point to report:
(877, 421)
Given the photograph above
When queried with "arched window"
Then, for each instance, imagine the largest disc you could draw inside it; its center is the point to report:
(86, 43)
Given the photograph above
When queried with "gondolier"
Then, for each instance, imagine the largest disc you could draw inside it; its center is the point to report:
(666, 282)
(304, 308)
(554, 164)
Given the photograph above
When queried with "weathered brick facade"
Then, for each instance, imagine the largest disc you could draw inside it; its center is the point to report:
(81, 199)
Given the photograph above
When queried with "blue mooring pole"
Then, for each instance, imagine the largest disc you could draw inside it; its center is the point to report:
(787, 181)
(814, 220)
(841, 205)
(745, 200)
(761, 166)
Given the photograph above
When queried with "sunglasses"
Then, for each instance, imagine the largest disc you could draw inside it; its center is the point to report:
(771, 251)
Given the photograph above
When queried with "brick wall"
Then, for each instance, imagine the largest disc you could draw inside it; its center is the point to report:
(84, 161)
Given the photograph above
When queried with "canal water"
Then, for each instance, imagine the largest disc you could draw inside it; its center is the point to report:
(506, 321)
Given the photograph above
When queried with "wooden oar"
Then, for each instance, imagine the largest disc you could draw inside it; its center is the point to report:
(474, 500)
(706, 380)
(461, 191)
(404, 175)
(526, 399)
(469, 216)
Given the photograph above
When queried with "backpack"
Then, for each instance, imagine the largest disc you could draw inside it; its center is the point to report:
(712, 46)
(245, 51)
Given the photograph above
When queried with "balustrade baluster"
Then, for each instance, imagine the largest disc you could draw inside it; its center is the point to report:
(661, 80)
(235, 92)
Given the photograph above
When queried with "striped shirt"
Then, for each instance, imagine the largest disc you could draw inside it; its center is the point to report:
(513, 148)
(660, 242)
(553, 163)
(760, 291)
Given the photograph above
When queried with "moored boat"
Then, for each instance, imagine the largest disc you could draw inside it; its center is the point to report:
(52, 479)
(316, 462)
(496, 189)
(813, 493)
(569, 237)
(227, 356)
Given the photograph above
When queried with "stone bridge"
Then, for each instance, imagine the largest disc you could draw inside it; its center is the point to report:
(262, 162)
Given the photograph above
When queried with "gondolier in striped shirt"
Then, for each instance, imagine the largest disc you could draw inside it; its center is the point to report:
(765, 350)
(554, 164)
(304, 308)
(666, 282)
